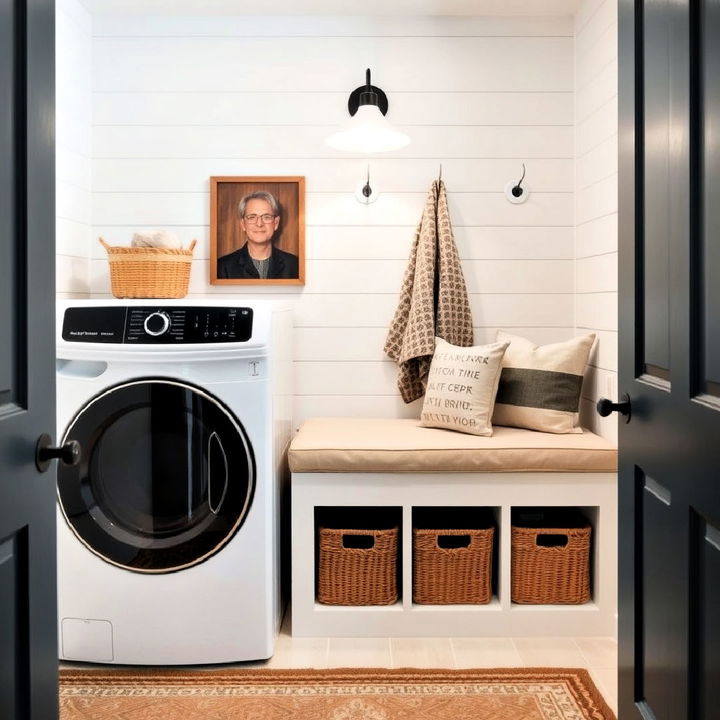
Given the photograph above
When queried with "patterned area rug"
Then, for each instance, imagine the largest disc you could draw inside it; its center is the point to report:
(345, 694)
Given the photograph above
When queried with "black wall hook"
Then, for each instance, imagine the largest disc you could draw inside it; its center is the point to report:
(367, 190)
(517, 191)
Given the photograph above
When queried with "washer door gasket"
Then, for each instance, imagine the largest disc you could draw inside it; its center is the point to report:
(166, 478)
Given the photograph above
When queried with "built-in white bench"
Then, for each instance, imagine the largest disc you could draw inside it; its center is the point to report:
(394, 463)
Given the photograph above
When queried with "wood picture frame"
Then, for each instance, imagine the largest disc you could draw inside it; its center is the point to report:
(236, 242)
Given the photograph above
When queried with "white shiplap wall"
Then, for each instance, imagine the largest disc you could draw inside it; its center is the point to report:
(176, 100)
(596, 187)
(73, 147)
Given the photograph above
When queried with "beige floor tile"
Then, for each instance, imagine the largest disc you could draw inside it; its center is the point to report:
(606, 681)
(599, 651)
(549, 652)
(359, 652)
(422, 652)
(299, 653)
(485, 652)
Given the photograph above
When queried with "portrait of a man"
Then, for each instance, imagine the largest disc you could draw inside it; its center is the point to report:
(257, 230)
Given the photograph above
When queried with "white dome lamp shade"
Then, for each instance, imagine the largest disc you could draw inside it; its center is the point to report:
(368, 130)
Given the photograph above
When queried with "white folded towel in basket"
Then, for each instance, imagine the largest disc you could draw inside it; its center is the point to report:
(156, 239)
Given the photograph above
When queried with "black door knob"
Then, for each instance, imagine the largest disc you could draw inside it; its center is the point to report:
(605, 407)
(68, 454)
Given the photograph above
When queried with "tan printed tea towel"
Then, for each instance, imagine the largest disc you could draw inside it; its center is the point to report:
(433, 299)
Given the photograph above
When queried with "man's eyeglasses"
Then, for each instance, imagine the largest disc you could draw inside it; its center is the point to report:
(267, 218)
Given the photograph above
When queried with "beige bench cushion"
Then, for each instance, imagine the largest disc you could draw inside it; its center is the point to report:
(401, 445)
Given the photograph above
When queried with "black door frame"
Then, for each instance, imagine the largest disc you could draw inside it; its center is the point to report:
(630, 148)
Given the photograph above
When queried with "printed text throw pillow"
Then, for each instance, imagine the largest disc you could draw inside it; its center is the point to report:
(461, 387)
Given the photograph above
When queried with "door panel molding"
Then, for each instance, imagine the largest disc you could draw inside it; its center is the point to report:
(15, 627)
(13, 204)
(712, 536)
(661, 493)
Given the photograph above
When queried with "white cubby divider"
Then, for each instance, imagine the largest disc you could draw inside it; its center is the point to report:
(594, 494)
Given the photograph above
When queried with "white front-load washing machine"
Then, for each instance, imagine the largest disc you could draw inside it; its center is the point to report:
(169, 526)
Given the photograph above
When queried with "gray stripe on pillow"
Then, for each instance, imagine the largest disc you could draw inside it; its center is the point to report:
(544, 389)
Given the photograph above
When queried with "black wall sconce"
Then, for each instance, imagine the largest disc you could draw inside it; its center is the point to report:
(368, 130)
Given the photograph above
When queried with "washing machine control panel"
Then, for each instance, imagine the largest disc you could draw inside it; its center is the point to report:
(169, 325)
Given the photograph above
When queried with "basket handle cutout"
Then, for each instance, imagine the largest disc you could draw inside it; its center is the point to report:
(453, 542)
(556, 540)
(358, 542)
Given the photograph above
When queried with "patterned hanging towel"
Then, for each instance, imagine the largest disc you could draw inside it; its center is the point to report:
(433, 299)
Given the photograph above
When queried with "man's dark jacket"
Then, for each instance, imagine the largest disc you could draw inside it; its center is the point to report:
(239, 266)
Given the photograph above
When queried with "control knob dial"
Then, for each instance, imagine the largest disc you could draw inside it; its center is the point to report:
(157, 323)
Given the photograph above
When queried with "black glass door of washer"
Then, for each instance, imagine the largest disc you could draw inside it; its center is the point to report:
(166, 478)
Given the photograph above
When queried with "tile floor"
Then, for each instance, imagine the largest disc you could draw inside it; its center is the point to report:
(597, 654)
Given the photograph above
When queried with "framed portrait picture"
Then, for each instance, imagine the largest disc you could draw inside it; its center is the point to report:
(257, 230)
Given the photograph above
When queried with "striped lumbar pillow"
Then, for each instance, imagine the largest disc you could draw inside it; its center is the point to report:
(540, 384)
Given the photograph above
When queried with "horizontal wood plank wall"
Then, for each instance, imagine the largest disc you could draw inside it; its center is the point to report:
(596, 187)
(73, 148)
(176, 100)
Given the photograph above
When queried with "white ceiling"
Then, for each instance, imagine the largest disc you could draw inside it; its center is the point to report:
(406, 8)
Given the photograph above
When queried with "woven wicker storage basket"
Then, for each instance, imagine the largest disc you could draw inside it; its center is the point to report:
(142, 272)
(357, 576)
(548, 575)
(452, 576)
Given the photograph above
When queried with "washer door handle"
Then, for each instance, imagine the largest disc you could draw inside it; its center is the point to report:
(215, 508)
(68, 454)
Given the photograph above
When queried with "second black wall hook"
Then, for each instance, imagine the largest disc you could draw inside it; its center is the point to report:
(517, 192)
(365, 192)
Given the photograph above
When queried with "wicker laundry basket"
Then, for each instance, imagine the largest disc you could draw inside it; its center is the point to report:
(551, 565)
(357, 575)
(143, 272)
(452, 575)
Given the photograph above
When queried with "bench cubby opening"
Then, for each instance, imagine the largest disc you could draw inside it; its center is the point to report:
(550, 566)
(357, 562)
(470, 568)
